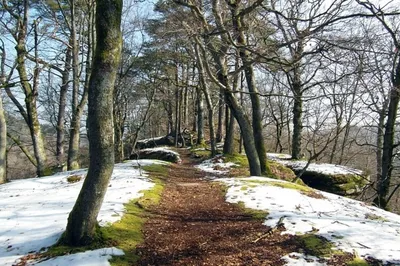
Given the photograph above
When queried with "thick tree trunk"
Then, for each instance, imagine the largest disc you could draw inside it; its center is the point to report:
(297, 122)
(82, 221)
(229, 147)
(388, 145)
(251, 85)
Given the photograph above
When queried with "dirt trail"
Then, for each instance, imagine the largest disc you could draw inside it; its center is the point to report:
(193, 225)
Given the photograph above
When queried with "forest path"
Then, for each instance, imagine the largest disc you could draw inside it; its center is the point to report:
(194, 225)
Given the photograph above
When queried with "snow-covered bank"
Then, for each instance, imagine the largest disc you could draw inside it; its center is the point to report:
(323, 168)
(351, 225)
(33, 212)
(215, 165)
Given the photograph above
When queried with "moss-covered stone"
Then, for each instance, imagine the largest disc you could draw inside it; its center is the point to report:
(74, 178)
(341, 184)
(154, 154)
(315, 245)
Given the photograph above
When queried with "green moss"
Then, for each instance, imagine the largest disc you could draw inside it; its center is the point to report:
(239, 159)
(279, 184)
(280, 171)
(358, 262)
(255, 214)
(74, 178)
(157, 170)
(205, 154)
(59, 249)
(375, 217)
(48, 171)
(316, 245)
(126, 233)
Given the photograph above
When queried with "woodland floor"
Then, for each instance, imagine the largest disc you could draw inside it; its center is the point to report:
(194, 225)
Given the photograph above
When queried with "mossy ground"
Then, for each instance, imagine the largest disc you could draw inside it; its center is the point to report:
(358, 262)
(241, 167)
(126, 233)
(255, 214)
(317, 246)
(250, 182)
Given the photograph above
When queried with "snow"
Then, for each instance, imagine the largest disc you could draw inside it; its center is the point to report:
(351, 225)
(210, 165)
(164, 149)
(295, 258)
(150, 139)
(98, 257)
(324, 168)
(34, 212)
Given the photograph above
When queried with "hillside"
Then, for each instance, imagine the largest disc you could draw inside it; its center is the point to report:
(302, 226)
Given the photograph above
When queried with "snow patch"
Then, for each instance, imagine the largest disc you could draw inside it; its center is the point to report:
(215, 165)
(34, 212)
(324, 168)
(351, 225)
(98, 257)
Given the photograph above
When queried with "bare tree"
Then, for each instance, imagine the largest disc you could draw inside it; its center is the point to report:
(82, 221)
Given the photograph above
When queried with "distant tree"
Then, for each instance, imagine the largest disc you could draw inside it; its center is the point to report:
(82, 221)
(391, 27)
(3, 125)
(18, 16)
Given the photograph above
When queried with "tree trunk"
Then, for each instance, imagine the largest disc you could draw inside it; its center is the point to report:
(62, 105)
(204, 88)
(229, 147)
(31, 95)
(388, 145)
(220, 117)
(251, 85)
(3, 145)
(78, 106)
(82, 221)
(297, 122)
(200, 116)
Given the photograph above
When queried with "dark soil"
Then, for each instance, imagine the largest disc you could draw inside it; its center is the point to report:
(194, 225)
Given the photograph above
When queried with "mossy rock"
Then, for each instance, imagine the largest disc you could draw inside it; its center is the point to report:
(340, 184)
(156, 154)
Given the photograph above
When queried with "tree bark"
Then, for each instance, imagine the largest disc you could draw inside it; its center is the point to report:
(82, 221)
(388, 145)
(200, 116)
(220, 117)
(62, 106)
(78, 106)
(237, 21)
(31, 115)
(3, 145)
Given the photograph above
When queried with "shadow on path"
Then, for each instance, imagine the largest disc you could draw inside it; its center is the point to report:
(193, 225)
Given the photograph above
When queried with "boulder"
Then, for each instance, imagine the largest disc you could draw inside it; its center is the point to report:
(157, 154)
(184, 139)
(337, 179)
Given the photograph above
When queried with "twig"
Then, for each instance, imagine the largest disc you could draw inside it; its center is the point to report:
(270, 231)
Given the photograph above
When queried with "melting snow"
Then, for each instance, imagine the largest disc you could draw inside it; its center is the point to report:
(325, 168)
(215, 165)
(34, 212)
(351, 225)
